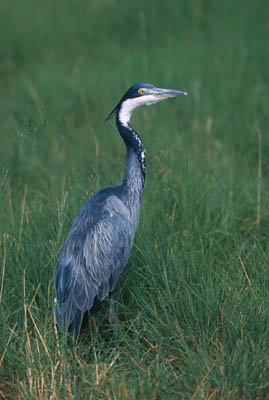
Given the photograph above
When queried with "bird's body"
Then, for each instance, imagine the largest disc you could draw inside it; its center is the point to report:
(99, 243)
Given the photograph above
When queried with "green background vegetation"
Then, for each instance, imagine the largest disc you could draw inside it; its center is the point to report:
(192, 304)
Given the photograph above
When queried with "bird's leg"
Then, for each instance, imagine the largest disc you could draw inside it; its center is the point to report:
(111, 312)
(111, 317)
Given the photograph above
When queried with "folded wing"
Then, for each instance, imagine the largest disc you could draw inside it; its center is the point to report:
(93, 257)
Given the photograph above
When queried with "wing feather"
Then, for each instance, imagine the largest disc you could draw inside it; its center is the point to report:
(93, 257)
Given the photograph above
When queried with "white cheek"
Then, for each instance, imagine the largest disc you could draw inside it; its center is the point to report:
(151, 99)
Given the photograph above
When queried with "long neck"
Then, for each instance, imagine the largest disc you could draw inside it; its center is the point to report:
(136, 155)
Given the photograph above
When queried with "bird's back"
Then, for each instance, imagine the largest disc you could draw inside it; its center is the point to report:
(96, 251)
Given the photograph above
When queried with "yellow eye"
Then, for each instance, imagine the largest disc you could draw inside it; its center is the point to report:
(142, 91)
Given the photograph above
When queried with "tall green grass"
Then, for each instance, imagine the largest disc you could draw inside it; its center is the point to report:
(192, 304)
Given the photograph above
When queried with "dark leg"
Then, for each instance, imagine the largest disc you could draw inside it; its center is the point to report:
(111, 312)
(111, 318)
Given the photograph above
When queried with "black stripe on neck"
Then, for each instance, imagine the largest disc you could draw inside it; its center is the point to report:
(132, 140)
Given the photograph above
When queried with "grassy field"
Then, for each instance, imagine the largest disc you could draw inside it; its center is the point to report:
(192, 304)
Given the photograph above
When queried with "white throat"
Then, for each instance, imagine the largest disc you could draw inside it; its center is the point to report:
(128, 106)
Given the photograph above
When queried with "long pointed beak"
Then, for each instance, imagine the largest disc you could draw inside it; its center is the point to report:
(166, 93)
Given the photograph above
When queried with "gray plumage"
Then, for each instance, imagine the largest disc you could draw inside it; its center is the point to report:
(99, 243)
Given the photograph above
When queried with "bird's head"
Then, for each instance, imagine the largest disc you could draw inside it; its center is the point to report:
(138, 95)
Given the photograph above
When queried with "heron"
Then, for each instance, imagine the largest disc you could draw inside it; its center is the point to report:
(100, 240)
